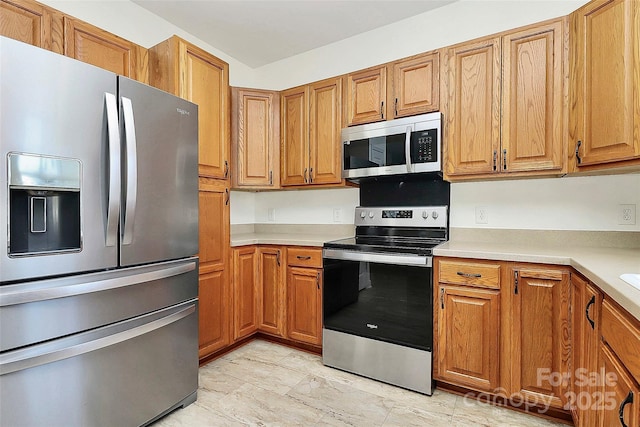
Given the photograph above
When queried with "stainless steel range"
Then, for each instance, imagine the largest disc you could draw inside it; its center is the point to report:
(378, 295)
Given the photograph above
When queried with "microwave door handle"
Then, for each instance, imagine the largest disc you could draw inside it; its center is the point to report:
(407, 148)
(129, 211)
(113, 192)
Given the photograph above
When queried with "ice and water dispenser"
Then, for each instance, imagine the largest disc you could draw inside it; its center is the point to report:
(44, 204)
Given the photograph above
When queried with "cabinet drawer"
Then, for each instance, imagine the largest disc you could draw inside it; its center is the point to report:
(304, 257)
(470, 273)
(622, 333)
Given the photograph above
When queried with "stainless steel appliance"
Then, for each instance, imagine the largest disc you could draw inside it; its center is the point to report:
(378, 295)
(400, 146)
(98, 273)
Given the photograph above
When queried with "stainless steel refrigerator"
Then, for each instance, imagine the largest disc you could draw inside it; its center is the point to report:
(98, 265)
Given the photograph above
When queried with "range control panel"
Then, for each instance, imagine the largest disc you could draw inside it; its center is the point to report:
(424, 216)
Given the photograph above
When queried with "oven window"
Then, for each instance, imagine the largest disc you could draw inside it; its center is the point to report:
(391, 303)
(375, 152)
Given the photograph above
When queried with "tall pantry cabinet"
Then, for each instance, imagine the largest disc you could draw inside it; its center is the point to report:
(187, 71)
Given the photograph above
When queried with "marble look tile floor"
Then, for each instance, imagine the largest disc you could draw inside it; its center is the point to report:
(266, 384)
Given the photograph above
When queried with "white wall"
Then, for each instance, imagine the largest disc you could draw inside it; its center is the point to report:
(294, 206)
(569, 203)
(132, 22)
(454, 23)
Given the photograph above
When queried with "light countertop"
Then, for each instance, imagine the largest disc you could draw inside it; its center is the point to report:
(601, 265)
(289, 234)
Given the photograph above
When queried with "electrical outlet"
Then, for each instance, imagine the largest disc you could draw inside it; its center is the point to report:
(482, 215)
(337, 215)
(271, 214)
(626, 214)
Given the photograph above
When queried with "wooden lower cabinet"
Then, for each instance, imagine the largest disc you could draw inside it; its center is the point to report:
(620, 404)
(540, 338)
(304, 305)
(586, 303)
(245, 292)
(214, 326)
(271, 291)
(469, 336)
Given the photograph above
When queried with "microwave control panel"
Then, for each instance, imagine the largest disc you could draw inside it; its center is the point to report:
(424, 146)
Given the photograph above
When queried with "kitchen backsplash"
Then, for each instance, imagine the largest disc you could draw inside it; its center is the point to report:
(570, 203)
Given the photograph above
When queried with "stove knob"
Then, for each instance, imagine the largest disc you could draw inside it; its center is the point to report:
(363, 214)
(425, 214)
(370, 214)
(434, 214)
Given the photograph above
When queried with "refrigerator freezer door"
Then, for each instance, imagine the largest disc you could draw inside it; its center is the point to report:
(160, 175)
(56, 108)
(124, 374)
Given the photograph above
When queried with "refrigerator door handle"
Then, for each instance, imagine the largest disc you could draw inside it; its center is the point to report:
(25, 359)
(113, 192)
(129, 208)
(95, 283)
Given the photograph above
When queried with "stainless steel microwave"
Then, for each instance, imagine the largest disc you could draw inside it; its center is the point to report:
(407, 145)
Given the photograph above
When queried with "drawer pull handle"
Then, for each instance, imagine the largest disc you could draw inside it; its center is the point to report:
(586, 311)
(470, 275)
(303, 258)
(629, 399)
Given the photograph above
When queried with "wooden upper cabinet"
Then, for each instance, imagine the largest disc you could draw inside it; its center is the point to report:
(471, 108)
(540, 343)
(311, 122)
(245, 292)
(294, 136)
(325, 126)
(366, 95)
(185, 70)
(504, 103)
(98, 47)
(605, 95)
(30, 22)
(416, 85)
(255, 137)
(532, 99)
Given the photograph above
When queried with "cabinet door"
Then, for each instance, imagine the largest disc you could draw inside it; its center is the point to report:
(620, 393)
(366, 95)
(213, 311)
(271, 291)
(304, 307)
(586, 330)
(245, 313)
(416, 85)
(205, 81)
(214, 225)
(26, 21)
(294, 137)
(532, 110)
(92, 45)
(255, 136)
(541, 344)
(471, 108)
(469, 337)
(325, 125)
(605, 67)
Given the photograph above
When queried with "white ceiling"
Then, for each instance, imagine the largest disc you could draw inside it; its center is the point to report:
(258, 32)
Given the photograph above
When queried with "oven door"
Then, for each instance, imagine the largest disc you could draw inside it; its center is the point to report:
(385, 297)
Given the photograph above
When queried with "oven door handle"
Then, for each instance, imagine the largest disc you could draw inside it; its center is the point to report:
(398, 259)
